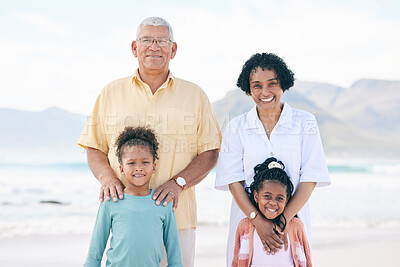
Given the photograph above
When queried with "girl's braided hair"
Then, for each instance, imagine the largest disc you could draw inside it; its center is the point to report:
(270, 170)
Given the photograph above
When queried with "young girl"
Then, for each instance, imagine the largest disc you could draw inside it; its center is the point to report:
(269, 193)
(139, 227)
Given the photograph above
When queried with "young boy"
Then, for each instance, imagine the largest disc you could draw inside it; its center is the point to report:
(139, 227)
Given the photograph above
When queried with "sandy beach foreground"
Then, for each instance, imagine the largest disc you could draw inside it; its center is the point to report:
(352, 247)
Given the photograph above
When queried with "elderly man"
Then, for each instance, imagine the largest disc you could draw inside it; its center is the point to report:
(179, 112)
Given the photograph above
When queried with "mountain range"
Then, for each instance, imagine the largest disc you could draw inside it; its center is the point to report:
(40, 137)
(362, 120)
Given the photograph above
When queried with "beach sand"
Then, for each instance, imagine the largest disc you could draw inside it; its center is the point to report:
(352, 247)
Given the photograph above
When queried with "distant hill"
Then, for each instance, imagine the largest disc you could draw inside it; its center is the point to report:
(362, 120)
(47, 136)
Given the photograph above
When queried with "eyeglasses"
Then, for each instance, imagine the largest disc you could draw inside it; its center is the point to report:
(160, 41)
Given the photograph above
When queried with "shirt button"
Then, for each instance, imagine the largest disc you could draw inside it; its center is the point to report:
(271, 153)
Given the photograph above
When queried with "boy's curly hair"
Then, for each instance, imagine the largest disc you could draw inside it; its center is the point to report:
(137, 136)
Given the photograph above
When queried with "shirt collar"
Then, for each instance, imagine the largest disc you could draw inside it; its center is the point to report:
(169, 82)
(251, 118)
(285, 119)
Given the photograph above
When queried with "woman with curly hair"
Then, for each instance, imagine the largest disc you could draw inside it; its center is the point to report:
(271, 129)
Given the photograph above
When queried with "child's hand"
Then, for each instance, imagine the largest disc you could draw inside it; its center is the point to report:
(167, 192)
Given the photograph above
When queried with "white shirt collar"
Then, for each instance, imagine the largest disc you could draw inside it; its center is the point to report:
(285, 120)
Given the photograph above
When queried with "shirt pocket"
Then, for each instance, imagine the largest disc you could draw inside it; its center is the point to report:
(178, 130)
(177, 123)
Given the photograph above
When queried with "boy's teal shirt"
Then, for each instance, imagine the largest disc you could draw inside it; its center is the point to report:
(139, 230)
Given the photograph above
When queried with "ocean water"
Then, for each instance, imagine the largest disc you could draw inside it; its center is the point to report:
(63, 198)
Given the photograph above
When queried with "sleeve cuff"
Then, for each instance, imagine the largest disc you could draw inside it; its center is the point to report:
(92, 263)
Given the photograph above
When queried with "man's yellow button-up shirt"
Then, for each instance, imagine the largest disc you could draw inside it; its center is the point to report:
(179, 112)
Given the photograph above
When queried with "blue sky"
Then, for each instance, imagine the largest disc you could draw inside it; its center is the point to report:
(62, 53)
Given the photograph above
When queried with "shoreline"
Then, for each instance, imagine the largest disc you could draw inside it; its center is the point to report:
(351, 246)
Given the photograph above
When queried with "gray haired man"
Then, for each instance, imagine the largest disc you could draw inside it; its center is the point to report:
(179, 112)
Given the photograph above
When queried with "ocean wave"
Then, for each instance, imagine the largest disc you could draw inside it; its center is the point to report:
(360, 198)
(334, 166)
(350, 223)
(348, 169)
